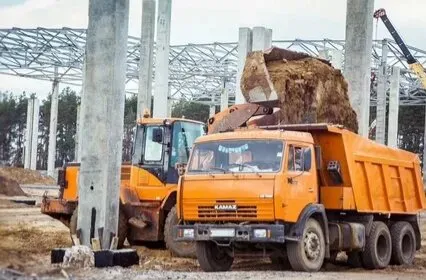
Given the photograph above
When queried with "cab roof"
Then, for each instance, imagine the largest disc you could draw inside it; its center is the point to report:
(161, 120)
(258, 133)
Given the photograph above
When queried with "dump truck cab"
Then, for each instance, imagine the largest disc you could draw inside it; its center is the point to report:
(148, 183)
(298, 194)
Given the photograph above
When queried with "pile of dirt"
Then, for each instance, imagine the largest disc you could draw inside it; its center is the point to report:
(26, 176)
(10, 187)
(309, 90)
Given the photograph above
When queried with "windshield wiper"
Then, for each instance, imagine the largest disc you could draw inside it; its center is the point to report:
(249, 166)
(218, 168)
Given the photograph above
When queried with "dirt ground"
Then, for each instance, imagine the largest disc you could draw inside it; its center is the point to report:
(26, 237)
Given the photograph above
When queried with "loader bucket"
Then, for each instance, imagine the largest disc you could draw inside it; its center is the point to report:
(256, 84)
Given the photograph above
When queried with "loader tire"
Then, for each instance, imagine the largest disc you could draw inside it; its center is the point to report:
(212, 258)
(177, 249)
(403, 243)
(122, 226)
(308, 254)
(378, 247)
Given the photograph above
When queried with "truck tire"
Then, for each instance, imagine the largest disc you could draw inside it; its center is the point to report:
(211, 258)
(177, 249)
(122, 226)
(403, 243)
(308, 254)
(378, 247)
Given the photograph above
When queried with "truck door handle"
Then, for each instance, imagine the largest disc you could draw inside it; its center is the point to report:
(311, 189)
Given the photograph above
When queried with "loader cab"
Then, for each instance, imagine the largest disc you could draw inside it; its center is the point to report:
(159, 145)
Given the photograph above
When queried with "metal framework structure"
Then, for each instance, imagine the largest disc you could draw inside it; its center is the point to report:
(198, 72)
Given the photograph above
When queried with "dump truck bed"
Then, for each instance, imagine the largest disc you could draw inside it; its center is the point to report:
(375, 178)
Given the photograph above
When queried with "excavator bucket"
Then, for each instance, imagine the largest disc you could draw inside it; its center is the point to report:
(256, 83)
(237, 116)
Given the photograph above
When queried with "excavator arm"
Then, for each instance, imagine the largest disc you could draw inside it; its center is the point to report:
(415, 66)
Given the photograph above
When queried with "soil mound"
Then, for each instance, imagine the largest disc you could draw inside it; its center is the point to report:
(25, 176)
(309, 90)
(10, 187)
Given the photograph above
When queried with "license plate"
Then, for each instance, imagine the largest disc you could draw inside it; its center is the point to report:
(222, 232)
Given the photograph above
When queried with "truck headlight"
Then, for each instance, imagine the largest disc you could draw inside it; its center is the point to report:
(188, 233)
(259, 233)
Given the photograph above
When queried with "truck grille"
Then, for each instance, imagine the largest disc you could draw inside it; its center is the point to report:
(246, 211)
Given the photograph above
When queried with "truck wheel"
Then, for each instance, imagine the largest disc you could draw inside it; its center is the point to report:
(378, 247)
(122, 226)
(178, 249)
(403, 243)
(212, 258)
(308, 254)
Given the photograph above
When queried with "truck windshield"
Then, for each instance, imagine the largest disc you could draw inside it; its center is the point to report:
(243, 156)
(184, 135)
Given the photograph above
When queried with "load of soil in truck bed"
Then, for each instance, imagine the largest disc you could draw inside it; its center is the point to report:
(309, 90)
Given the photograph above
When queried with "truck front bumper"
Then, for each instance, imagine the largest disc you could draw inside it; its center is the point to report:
(254, 233)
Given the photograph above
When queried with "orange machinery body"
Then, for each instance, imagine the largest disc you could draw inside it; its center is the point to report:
(141, 194)
(375, 179)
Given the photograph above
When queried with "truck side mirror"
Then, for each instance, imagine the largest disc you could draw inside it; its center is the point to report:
(157, 135)
(180, 167)
(318, 157)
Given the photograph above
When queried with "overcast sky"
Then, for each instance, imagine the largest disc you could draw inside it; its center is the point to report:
(204, 21)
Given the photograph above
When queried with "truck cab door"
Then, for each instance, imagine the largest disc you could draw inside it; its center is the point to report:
(299, 179)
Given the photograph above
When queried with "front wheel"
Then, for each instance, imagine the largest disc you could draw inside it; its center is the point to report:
(177, 249)
(308, 254)
(213, 258)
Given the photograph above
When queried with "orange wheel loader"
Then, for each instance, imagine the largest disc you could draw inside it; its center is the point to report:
(148, 184)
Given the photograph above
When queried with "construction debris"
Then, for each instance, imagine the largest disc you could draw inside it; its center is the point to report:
(78, 256)
(307, 89)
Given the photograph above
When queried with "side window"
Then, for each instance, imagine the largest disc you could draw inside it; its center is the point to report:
(299, 159)
(153, 150)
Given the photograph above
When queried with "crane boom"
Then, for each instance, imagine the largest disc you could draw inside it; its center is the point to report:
(415, 66)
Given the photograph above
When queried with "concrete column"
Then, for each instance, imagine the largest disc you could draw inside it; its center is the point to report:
(262, 38)
(212, 111)
(161, 104)
(102, 120)
(381, 96)
(393, 108)
(358, 46)
(336, 59)
(77, 148)
(245, 40)
(268, 38)
(224, 97)
(146, 57)
(31, 134)
(51, 156)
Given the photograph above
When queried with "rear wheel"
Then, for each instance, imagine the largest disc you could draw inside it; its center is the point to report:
(403, 243)
(212, 258)
(308, 254)
(378, 247)
(122, 226)
(178, 249)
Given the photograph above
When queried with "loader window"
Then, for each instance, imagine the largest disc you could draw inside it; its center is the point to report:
(184, 135)
(153, 150)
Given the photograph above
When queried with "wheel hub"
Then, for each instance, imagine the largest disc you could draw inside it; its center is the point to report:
(312, 245)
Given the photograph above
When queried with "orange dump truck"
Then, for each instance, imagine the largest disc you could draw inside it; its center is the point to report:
(299, 194)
